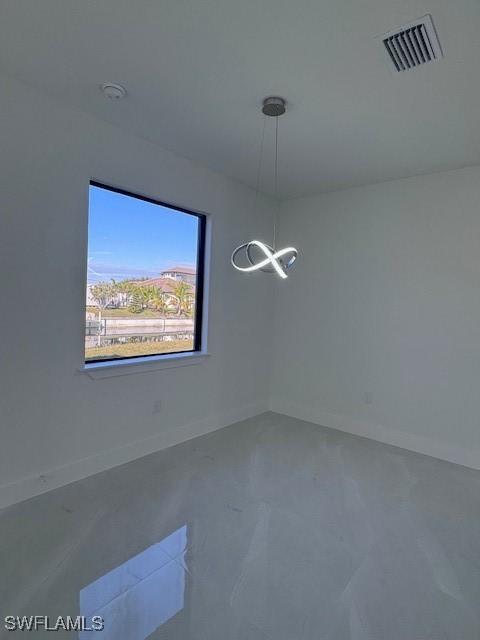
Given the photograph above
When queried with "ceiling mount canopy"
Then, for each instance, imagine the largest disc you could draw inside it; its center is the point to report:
(257, 255)
(274, 106)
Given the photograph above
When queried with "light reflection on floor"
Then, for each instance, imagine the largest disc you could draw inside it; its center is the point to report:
(139, 595)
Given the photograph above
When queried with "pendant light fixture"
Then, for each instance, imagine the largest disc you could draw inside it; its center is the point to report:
(257, 255)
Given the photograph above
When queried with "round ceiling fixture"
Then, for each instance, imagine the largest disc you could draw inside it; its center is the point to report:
(113, 91)
(274, 106)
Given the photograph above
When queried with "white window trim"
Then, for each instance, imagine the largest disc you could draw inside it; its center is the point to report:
(143, 364)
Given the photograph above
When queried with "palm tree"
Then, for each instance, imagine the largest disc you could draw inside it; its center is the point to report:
(158, 301)
(182, 292)
(126, 289)
(149, 295)
(140, 297)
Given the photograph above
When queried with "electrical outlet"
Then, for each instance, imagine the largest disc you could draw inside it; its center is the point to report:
(157, 407)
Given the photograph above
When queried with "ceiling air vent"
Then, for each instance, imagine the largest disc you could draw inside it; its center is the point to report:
(413, 45)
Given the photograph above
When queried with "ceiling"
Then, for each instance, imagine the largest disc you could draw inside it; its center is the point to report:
(197, 70)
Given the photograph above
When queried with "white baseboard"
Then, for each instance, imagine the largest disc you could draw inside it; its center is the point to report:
(31, 486)
(412, 442)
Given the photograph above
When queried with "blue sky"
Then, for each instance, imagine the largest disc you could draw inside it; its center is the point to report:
(131, 238)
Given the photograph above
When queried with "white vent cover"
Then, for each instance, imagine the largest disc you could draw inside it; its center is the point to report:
(413, 45)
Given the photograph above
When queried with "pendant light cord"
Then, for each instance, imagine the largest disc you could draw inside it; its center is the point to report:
(275, 184)
(259, 168)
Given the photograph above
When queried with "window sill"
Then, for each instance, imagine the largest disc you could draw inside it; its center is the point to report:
(99, 370)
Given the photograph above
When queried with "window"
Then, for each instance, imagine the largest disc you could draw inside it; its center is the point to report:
(144, 277)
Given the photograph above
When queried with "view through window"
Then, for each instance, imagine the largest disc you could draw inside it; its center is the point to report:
(144, 277)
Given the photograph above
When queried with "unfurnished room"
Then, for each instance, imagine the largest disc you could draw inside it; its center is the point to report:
(240, 319)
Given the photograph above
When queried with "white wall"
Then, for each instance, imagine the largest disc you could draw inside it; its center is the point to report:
(55, 421)
(385, 300)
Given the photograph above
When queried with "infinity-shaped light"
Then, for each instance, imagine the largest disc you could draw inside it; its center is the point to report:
(275, 259)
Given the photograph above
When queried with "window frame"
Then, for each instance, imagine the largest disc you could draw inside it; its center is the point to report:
(199, 286)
